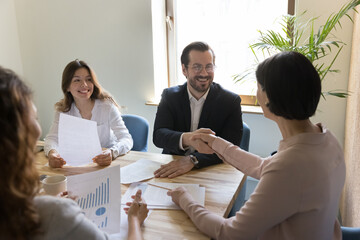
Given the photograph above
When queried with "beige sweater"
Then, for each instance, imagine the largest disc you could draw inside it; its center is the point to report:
(297, 196)
(62, 218)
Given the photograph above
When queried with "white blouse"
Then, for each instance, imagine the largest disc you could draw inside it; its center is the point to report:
(111, 128)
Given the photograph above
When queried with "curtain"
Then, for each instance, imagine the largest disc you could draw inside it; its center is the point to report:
(350, 201)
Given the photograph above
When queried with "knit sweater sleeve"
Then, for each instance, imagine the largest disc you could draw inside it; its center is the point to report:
(63, 219)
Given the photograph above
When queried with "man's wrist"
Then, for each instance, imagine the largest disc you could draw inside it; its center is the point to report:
(185, 140)
(181, 142)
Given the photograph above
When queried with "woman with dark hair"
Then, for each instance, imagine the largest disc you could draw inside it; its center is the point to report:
(85, 98)
(24, 215)
(298, 193)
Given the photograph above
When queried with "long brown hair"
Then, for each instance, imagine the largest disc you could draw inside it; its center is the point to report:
(64, 104)
(19, 179)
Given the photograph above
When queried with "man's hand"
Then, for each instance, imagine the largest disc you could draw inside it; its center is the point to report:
(103, 159)
(175, 168)
(203, 142)
(55, 161)
(187, 139)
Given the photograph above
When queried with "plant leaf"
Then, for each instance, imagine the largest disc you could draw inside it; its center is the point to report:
(316, 46)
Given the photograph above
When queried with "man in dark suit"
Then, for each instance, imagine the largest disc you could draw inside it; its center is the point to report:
(197, 106)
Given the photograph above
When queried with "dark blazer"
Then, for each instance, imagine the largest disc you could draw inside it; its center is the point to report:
(221, 113)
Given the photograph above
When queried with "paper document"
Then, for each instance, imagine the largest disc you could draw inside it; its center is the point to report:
(142, 169)
(157, 198)
(99, 196)
(78, 140)
(124, 227)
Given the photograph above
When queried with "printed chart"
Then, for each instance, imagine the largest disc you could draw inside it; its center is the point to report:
(99, 196)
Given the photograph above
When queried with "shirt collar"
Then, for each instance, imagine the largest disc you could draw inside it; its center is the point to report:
(192, 97)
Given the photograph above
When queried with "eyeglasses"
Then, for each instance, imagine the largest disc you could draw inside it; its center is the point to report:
(198, 68)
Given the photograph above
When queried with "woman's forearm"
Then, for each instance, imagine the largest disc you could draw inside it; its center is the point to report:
(134, 229)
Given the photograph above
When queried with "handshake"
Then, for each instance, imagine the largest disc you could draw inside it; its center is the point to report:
(201, 140)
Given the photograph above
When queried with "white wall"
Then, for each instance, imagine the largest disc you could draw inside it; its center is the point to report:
(115, 38)
(331, 112)
(9, 41)
(264, 134)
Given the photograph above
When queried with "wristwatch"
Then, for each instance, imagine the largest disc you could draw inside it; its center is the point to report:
(114, 153)
(194, 161)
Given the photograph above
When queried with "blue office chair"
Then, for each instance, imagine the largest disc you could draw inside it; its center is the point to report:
(350, 233)
(244, 145)
(245, 140)
(139, 129)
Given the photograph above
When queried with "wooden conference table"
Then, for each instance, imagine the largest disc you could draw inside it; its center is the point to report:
(222, 183)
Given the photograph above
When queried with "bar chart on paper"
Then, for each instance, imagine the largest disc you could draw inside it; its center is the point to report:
(98, 200)
(98, 195)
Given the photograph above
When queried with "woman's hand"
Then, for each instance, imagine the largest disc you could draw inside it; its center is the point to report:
(178, 193)
(138, 210)
(136, 215)
(103, 159)
(203, 142)
(68, 194)
(188, 140)
(55, 161)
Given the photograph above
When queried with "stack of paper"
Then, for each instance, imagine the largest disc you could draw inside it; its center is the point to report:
(142, 169)
(157, 198)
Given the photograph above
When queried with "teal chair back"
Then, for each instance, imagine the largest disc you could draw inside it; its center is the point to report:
(245, 139)
(139, 129)
(244, 145)
(350, 233)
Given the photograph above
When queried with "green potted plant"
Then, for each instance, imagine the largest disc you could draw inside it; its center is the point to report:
(297, 35)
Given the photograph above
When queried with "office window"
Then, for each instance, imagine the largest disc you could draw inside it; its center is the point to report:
(228, 26)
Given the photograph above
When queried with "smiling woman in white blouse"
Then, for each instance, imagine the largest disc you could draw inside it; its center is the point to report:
(85, 98)
(24, 213)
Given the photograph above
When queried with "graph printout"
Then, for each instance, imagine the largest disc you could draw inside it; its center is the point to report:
(99, 196)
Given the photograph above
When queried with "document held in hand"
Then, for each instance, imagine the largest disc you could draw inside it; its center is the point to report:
(99, 196)
(78, 140)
